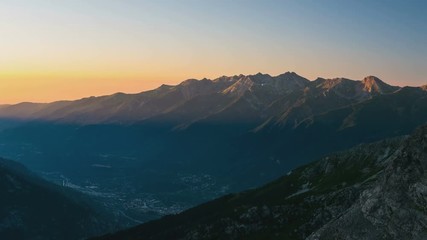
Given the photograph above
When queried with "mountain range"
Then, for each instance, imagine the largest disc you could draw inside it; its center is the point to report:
(160, 152)
(260, 99)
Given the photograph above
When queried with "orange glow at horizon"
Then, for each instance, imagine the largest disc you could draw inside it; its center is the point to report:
(66, 50)
(49, 87)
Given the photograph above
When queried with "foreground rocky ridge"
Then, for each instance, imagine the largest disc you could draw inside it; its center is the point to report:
(396, 206)
(374, 191)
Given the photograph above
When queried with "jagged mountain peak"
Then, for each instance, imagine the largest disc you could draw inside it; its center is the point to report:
(282, 83)
(189, 81)
(260, 78)
(374, 84)
(229, 79)
(289, 74)
(351, 89)
(194, 81)
(292, 76)
(371, 78)
(260, 74)
(328, 83)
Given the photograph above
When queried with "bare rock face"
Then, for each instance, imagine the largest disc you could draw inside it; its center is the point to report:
(396, 206)
(374, 84)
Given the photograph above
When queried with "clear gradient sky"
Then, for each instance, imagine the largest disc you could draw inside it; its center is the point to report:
(69, 49)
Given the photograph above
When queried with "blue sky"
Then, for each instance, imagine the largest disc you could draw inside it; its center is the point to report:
(98, 47)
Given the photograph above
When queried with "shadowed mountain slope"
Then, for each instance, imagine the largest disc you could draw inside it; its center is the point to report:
(371, 191)
(31, 208)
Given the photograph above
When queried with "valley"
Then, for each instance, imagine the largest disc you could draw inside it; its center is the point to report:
(361, 193)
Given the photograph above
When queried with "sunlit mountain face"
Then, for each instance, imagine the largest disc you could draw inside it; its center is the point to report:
(160, 152)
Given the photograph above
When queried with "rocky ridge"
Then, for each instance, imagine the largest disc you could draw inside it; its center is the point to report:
(259, 94)
(372, 191)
